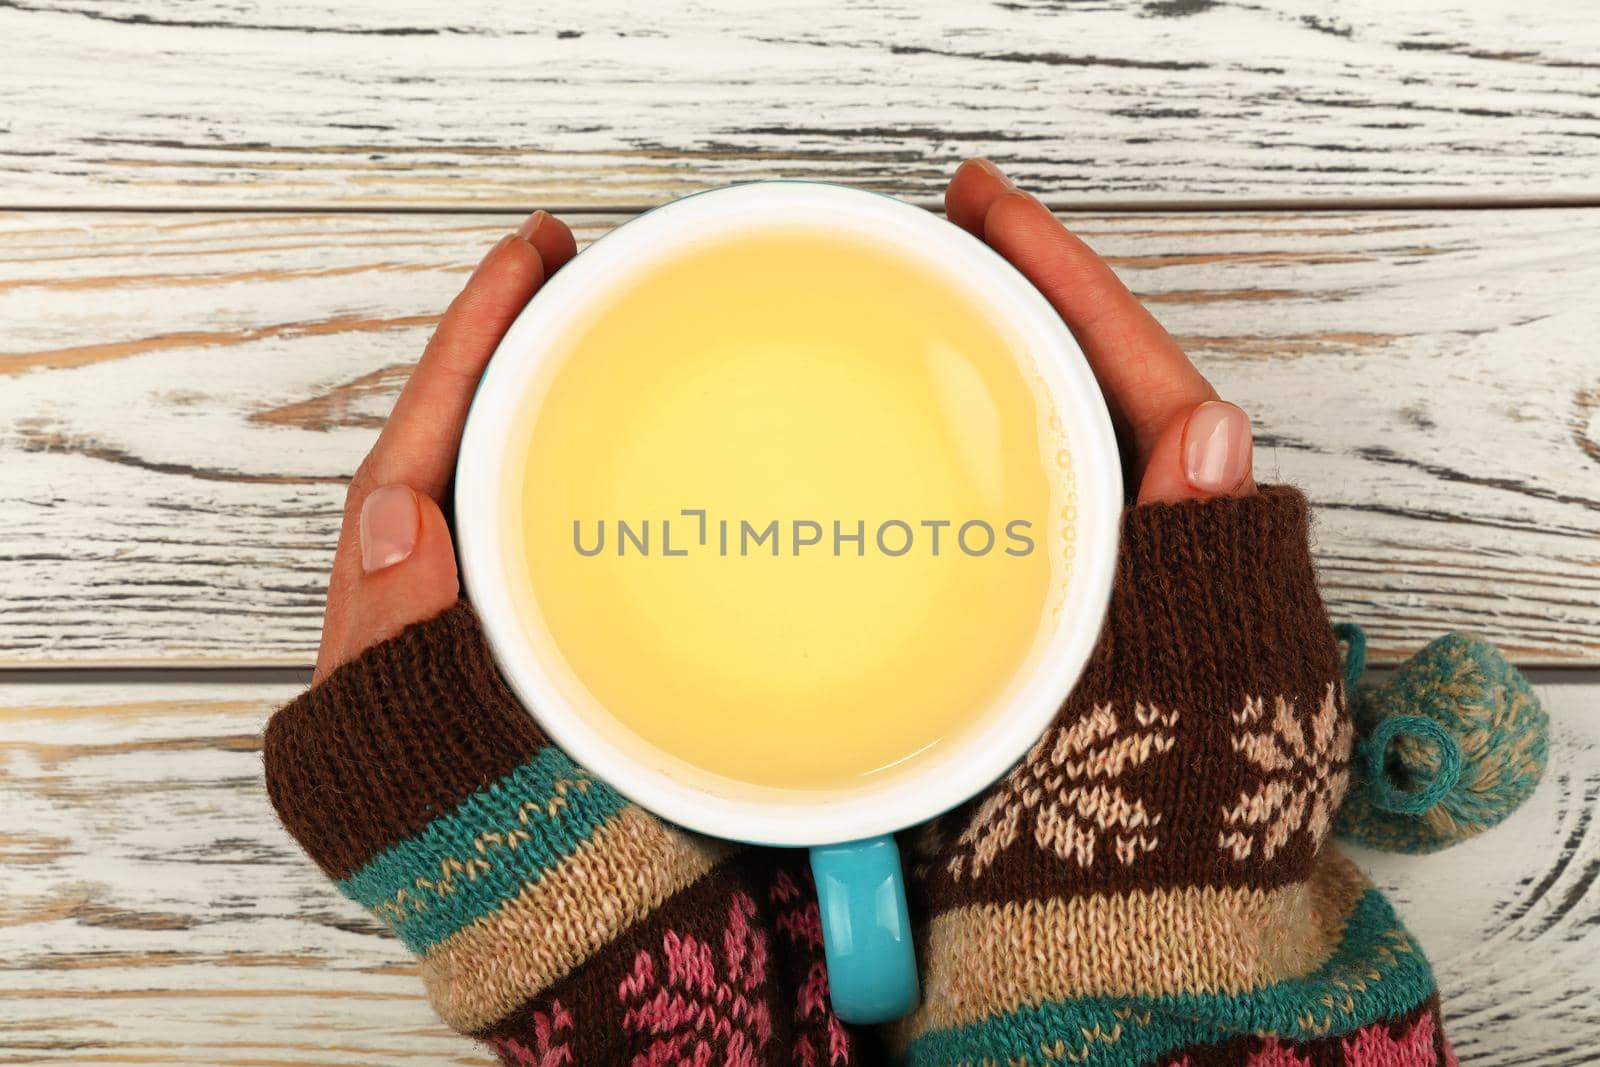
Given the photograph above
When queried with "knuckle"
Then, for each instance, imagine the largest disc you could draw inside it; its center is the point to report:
(360, 484)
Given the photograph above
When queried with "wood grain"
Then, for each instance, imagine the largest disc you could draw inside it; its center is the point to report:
(609, 103)
(154, 911)
(182, 397)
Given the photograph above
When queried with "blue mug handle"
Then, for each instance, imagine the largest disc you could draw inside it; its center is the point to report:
(866, 932)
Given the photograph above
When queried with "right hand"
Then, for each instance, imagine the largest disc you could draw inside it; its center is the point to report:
(1180, 441)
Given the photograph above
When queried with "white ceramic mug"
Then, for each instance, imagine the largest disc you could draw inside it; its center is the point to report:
(867, 937)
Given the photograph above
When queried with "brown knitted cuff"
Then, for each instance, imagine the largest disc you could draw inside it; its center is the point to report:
(392, 739)
(1207, 742)
(1214, 599)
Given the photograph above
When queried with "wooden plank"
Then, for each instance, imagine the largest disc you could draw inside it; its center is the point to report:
(181, 397)
(609, 103)
(154, 911)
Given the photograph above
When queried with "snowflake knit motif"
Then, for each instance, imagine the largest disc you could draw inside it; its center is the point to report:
(821, 1040)
(550, 1048)
(1372, 1046)
(1303, 772)
(705, 1011)
(1070, 782)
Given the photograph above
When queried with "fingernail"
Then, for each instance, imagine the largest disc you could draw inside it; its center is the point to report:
(1217, 447)
(994, 172)
(389, 520)
(531, 224)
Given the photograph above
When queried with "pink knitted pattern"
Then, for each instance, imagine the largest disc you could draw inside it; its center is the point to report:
(548, 1051)
(822, 1040)
(1372, 1046)
(1273, 1054)
(705, 1011)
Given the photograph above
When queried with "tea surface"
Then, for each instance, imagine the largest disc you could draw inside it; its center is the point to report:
(793, 510)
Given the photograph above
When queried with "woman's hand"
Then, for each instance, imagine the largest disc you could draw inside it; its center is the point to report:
(395, 564)
(1182, 442)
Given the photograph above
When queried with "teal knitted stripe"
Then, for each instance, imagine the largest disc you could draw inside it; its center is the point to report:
(465, 864)
(1106, 1031)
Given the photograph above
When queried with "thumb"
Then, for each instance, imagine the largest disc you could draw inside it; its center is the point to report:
(408, 567)
(1206, 453)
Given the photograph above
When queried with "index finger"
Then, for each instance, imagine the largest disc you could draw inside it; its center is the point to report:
(419, 441)
(1147, 379)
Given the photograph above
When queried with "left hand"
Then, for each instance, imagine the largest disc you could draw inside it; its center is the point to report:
(395, 564)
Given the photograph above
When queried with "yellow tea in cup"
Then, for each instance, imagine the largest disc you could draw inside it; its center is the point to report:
(794, 508)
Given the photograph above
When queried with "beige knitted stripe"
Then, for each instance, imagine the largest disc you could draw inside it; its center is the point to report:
(994, 958)
(626, 870)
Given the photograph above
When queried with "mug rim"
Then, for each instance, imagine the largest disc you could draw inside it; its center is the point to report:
(937, 783)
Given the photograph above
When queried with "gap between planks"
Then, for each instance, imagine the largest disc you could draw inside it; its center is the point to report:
(1055, 204)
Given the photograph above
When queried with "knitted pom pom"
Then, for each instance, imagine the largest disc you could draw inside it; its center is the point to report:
(1445, 749)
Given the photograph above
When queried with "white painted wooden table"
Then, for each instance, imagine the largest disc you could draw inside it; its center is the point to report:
(225, 229)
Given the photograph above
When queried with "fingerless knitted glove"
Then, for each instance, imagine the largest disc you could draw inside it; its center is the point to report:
(555, 921)
(1152, 885)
